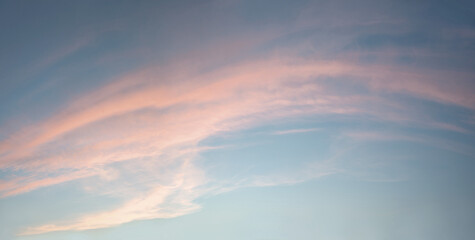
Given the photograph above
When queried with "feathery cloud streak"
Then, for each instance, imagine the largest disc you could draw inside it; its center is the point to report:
(159, 124)
(138, 137)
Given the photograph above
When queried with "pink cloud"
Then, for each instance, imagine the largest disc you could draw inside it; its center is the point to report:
(163, 115)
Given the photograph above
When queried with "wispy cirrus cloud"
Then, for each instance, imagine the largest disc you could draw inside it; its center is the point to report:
(149, 127)
(164, 200)
(144, 129)
(298, 130)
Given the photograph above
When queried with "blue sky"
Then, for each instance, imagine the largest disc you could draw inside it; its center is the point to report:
(265, 120)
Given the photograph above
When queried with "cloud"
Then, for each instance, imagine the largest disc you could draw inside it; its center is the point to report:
(298, 130)
(228, 93)
(394, 136)
(22, 185)
(139, 135)
(142, 132)
(163, 201)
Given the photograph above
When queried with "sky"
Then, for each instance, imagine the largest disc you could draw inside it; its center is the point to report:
(219, 119)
